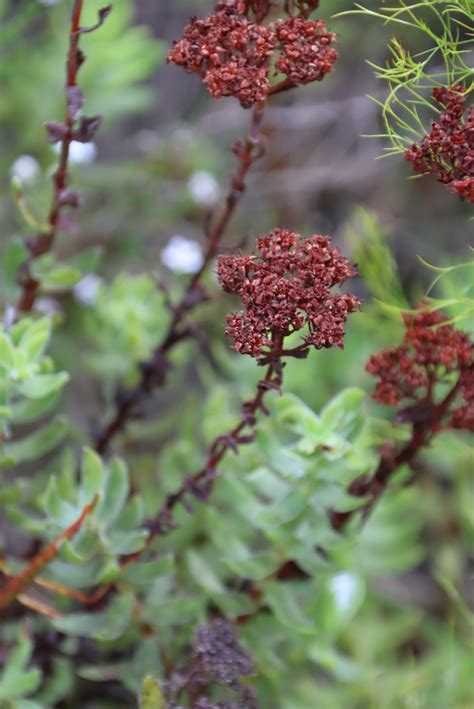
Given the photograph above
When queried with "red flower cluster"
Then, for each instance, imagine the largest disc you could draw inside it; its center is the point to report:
(306, 53)
(284, 288)
(431, 351)
(233, 54)
(448, 149)
(229, 52)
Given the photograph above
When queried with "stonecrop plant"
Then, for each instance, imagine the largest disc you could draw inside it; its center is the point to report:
(201, 535)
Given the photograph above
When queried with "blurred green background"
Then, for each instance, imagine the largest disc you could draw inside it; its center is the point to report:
(160, 163)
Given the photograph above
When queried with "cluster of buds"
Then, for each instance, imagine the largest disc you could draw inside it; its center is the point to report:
(286, 287)
(306, 53)
(219, 663)
(220, 656)
(447, 151)
(432, 353)
(234, 55)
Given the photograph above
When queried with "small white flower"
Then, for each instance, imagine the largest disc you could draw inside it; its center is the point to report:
(344, 587)
(48, 306)
(26, 168)
(85, 290)
(203, 188)
(182, 255)
(79, 153)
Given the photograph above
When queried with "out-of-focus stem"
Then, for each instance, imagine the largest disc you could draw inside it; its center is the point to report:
(44, 242)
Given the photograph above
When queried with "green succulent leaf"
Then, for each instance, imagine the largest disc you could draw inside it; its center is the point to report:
(109, 624)
(151, 696)
(18, 680)
(38, 444)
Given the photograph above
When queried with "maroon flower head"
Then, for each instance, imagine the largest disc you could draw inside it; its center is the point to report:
(432, 351)
(447, 151)
(234, 55)
(285, 287)
(229, 52)
(306, 53)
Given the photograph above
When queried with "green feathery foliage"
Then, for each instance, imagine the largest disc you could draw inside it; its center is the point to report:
(436, 51)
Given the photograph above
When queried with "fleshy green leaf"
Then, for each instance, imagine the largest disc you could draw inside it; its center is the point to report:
(106, 625)
(43, 385)
(7, 353)
(151, 696)
(17, 681)
(39, 443)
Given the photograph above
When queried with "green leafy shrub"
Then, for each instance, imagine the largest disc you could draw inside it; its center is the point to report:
(215, 531)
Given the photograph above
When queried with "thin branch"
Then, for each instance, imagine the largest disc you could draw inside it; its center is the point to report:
(43, 243)
(200, 484)
(16, 584)
(283, 85)
(154, 369)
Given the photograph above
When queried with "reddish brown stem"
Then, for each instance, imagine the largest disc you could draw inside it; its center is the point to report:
(44, 242)
(201, 483)
(154, 370)
(16, 584)
(283, 85)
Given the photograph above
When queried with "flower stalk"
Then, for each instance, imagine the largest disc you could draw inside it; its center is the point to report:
(72, 128)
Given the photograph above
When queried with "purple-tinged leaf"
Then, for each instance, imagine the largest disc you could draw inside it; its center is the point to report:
(80, 58)
(67, 224)
(75, 100)
(56, 131)
(87, 127)
(70, 198)
(103, 13)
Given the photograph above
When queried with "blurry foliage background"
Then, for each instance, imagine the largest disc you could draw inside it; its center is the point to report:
(397, 634)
